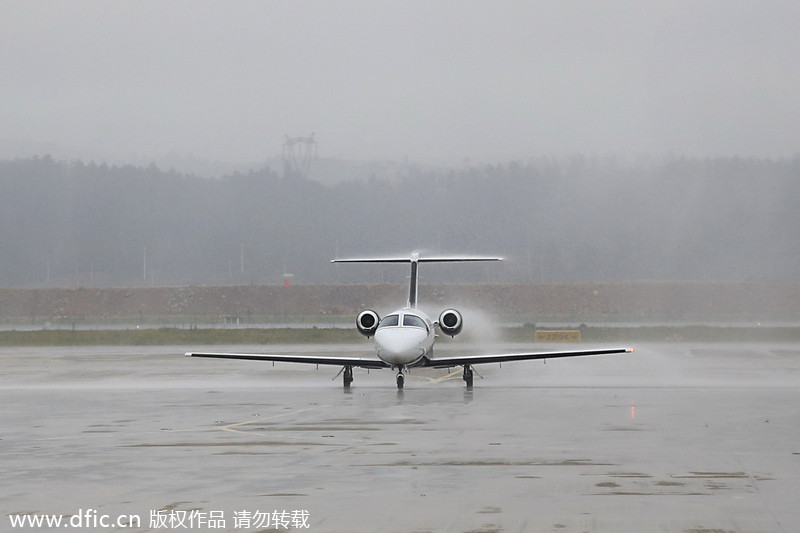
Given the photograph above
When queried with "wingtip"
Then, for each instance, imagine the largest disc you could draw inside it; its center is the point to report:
(630, 350)
(187, 354)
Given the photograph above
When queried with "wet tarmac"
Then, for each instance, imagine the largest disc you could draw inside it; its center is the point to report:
(673, 438)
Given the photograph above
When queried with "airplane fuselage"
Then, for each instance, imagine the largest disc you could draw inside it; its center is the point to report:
(405, 337)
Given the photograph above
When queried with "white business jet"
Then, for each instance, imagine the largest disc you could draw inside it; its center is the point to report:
(404, 339)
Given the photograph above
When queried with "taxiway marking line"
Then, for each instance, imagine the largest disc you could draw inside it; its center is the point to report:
(231, 427)
(448, 376)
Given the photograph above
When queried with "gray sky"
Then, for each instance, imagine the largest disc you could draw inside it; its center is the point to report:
(430, 80)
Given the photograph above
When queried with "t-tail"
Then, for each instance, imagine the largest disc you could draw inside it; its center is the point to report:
(414, 260)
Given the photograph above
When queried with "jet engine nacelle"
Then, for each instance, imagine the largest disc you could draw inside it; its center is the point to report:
(367, 322)
(450, 322)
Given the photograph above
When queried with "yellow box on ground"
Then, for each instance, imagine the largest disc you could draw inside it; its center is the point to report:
(558, 336)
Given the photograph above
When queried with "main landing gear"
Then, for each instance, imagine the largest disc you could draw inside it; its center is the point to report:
(468, 376)
(347, 376)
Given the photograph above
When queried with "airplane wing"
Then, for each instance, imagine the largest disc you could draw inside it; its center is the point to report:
(502, 358)
(309, 359)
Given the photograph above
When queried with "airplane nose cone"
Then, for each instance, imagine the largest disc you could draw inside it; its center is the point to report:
(400, 345)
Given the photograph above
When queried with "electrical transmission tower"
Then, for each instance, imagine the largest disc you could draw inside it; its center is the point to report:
(297, 155)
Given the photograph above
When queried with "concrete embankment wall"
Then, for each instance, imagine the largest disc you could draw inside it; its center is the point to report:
(579, 302)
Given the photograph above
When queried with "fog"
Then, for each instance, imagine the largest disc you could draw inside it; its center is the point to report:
(433, 82)
(141, 141)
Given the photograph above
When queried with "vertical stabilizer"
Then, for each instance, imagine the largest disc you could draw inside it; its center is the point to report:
(413, 290)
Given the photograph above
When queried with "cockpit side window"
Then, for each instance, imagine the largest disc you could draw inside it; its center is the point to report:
(413, 320)
(390, 320)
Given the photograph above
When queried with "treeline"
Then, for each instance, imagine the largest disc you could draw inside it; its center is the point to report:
(575, 219)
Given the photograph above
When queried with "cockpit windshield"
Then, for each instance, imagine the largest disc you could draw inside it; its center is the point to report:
(389, 320)
(413, 320)
(408, 320)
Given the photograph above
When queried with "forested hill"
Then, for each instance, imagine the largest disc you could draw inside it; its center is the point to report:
(574, 219)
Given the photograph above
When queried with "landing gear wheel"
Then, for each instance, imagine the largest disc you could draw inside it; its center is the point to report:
(400, 381)
(348, 376)
(468, 376)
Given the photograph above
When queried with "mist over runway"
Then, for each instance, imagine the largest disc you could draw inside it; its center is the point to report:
(675, 437)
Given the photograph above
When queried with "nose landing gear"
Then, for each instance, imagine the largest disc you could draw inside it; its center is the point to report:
(400, 380)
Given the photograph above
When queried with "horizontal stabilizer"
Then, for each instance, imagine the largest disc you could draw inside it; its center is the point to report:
(414, 260)
(417, 260)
